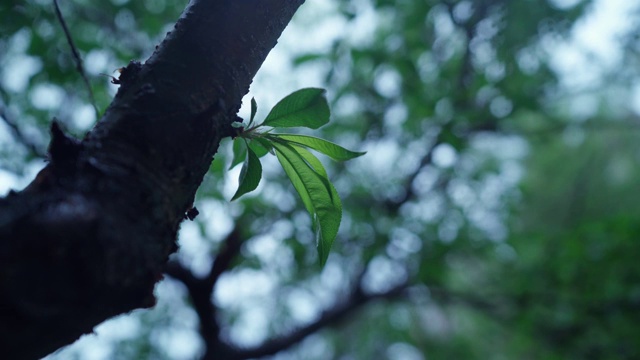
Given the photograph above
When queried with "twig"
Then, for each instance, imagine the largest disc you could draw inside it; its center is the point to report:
(393, 205)
(76, 56)
(17, 133)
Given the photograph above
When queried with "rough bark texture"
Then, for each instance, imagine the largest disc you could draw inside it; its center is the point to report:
(89, 237)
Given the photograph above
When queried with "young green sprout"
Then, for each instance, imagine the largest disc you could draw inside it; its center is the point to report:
(303, 108)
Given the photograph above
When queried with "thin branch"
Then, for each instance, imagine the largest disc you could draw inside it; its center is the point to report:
(222, 263)
(330, 317)
(229, 252)
(393, 205)
(462, 83)
(18, 135)
(179, 272)
(200, 290)
(200, 294)
(76, 56)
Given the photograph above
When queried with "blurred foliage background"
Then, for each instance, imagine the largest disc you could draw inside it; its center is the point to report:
(498, 191)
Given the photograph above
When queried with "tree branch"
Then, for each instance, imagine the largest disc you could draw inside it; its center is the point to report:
(336, 314)
(200, 290)
(90, 236)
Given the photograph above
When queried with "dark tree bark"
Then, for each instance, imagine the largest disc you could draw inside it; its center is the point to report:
(88, 239)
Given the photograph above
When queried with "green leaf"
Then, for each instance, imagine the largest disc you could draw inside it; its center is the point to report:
(315, 164)
(239, 152)
(322, 202)
(259, 147)
(311, 160)
(297, 183)
(301, 59)
(306, 107)
(262, 146)
(334, 151)
(249, 175)
(254, 109)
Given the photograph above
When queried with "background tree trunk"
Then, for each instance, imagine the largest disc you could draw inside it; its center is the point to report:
(89, 237)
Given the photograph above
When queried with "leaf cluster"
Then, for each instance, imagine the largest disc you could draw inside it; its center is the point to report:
(303, 108)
